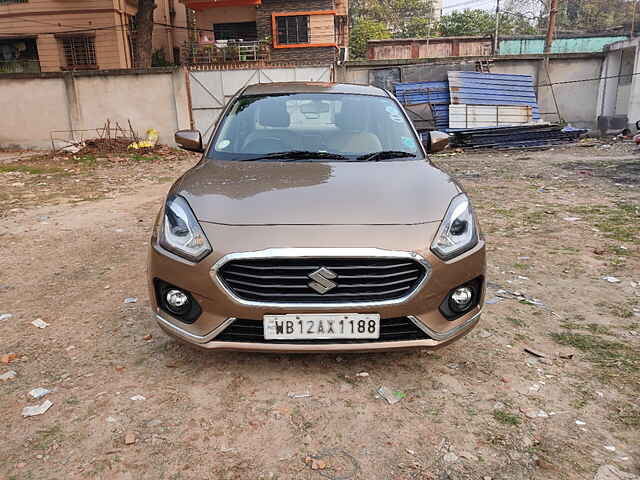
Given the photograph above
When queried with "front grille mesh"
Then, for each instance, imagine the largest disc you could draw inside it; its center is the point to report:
(286, 280)
(252, 331)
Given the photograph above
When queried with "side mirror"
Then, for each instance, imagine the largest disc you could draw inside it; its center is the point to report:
(189, 140)
(436, 141)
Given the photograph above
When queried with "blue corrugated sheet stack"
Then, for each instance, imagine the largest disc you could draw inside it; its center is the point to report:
(434, 93)
(488, 89)
(475, 88)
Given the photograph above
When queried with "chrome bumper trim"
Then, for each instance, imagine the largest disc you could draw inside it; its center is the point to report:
(319, 253)
(435, 337)
(191, 337)
(449, 333)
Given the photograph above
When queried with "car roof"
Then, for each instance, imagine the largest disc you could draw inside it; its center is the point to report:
(313, 87)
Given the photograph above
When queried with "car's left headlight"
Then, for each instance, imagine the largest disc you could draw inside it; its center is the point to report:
(457, 233)
(181, 233)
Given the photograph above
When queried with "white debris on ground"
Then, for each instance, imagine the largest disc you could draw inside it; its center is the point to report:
(609, 472)
(390, 396)
(611, 279)
(38, 322)
(299, 395)
(39, 392)
(34, 410)
(10, 375)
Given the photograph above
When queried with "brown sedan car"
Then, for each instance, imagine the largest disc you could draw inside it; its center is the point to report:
(315, 222)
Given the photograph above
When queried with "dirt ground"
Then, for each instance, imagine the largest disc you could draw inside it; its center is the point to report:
(73, 239)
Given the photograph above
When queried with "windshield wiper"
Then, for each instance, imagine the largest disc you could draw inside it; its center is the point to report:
(385, 155)
(297, 155)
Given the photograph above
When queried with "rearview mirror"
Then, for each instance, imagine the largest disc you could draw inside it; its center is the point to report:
(436, 141)
(315, 107)
(189, 140)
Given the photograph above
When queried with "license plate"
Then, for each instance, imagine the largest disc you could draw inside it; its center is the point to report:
(321, 326)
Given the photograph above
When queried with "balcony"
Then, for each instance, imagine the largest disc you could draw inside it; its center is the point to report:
(19, 66)
(225, 53)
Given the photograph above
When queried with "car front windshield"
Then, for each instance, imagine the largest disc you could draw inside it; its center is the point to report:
(314, 125)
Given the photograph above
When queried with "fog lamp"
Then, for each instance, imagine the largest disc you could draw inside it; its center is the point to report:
(177, 301)
(461, 299)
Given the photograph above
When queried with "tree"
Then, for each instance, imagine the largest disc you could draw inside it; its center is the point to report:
(469, 22)
(403, 18)
(594, 15)
(363, 31)
(578, 16)
(143, 45)
(481, 22)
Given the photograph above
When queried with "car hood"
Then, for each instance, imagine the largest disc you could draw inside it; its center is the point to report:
(314, 193)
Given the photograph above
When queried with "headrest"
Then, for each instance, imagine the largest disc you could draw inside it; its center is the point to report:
(273, 113)
(351, 118)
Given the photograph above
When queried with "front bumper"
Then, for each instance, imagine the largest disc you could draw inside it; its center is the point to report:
(209, 342)
(220, 308)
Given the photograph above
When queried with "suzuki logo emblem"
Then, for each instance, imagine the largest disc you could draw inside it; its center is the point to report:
(321, 280)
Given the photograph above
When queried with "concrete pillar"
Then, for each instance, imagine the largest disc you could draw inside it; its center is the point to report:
(74, 108)
(182, 100)
(49, 53)
(634, 96)
(608, 89)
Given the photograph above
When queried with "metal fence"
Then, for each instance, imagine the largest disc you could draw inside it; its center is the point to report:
(20, 66)
(224, 52)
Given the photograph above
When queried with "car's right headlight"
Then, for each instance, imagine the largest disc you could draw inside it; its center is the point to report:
(457, 233)
(181, 233)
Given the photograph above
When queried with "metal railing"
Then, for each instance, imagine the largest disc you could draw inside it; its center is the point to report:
(19, 66)
(229, 52)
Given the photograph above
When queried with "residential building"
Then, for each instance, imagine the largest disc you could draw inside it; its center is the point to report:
(55, 35)
(274, 31)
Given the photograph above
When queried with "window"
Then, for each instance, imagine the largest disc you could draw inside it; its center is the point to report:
(303, 29)
(293, 29)
(18, 55)
(79, 51)
(246, 31)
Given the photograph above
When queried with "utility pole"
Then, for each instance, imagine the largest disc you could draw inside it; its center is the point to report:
(633, 20)
(496, 44)
(551, 30)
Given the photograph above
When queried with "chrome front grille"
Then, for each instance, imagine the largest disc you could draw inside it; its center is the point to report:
(322, 280)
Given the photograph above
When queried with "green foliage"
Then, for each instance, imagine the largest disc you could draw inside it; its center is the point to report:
(468, 22)
(579, 16)
(398, 15)
(481, 22)
(380, 19)
(594, 15)
(506, 417)
(363, 31)
(28, 169)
